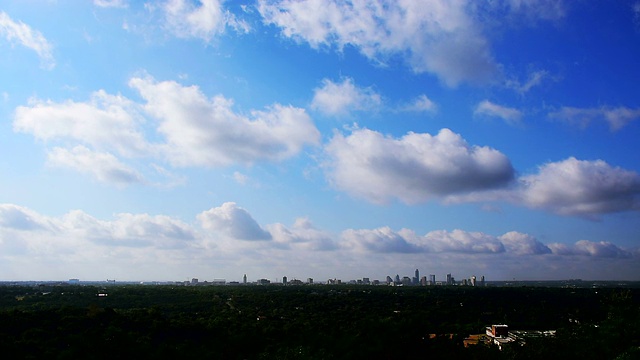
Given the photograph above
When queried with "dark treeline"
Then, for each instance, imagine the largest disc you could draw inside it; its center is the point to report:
(313, 322)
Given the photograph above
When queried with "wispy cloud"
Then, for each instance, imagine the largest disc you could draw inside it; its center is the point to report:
(422, 103)
(617, 117)
(510, 115)
(103, 166)
(22, 34)
(204, 20)
(111, 3)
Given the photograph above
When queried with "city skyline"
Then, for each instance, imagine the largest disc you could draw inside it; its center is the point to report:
(183, 139)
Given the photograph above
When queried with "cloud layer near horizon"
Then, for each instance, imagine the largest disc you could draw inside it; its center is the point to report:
(231, 229)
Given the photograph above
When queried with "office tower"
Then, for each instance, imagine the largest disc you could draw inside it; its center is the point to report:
(397, 279)
(423, 281)
(482, 280)
(432, 279)
(284, 280)
(416, 278)
(473, 280)
(244, 279)
(389, 280)
(449, 279)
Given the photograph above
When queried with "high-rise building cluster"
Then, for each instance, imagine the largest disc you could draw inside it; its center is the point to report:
(397, 280)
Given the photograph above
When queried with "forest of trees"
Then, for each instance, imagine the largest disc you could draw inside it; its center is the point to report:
(312, 322)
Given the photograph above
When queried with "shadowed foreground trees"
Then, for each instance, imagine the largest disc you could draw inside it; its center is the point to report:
(312, 322)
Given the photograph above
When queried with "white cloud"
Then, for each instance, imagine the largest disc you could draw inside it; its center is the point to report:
(204, 20)
(510, 115)
(23, 34)
(383, 240)
(523, 244)
(302, 235)
(105, 122)
(103, 166)
(111, 3)
(580, 187)
(203, 132)
(421, 104)
(617, 118)
(21, 218)
(160, 247)
(435, 36)
(413, 168)
(188, 129)
(233, 221)
(601, 249)
(461, 241)
(341, 98)
(240, 178)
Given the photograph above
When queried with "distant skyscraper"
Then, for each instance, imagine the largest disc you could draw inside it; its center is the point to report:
(449, 279)
(389, 280)
(284, 280)
(397, 279)
(244, 279)
(482, 280)
(432, 279)
(423, 281)
(416, 278)
(473, 280)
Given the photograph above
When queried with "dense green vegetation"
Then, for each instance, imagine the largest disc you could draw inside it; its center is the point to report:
(312, 322)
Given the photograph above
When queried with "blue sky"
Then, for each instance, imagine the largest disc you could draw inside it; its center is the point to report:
(343, 139)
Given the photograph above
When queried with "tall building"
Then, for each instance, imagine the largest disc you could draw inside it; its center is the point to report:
(482, 281)
(423, 281)
(473, 280)
(397, 279)
(389, 280)
(244, 279)
(449, 281)
(284, 280)
(310, 280)
(432, 279)
(416, 278)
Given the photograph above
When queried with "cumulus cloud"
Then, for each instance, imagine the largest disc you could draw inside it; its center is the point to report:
(157, 247)
(203, 20)
(303, 235)
(617, 118)
(203, 132)
(581, 187)
(601, 249)
(233, 221)
(105, 122)
(341, 98)
(383, 240)
(523, 244)
(413, 168)
(21, 218)
(103, 166)
(436, 36)
(510, 115)
(194, 130)
(17, 32)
